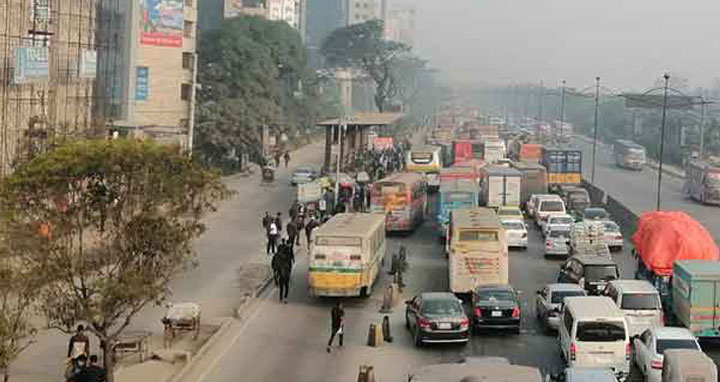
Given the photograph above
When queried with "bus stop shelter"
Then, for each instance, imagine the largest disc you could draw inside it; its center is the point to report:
(356, 138)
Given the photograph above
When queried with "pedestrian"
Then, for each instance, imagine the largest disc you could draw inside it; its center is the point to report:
(96, 372)
(287, 158)
(294, 209)
(79, 344)
(309, 227)
(272, 235)
(277, 158)
(77, 370)
(292, 232)
(368, 197)
(278, 222)
(266, 221)
(322, 207)
(337, 317)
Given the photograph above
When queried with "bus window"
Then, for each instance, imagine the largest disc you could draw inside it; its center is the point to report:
(478, 235)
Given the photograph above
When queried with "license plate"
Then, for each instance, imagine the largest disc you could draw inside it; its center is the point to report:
(497, 313)
(444, 325)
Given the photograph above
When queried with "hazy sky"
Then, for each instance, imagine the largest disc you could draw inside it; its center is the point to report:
(628, 43)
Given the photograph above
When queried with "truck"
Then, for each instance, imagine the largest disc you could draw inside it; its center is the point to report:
(661, 239)
(500, 186)
(564, 165)
(493, 150)
(534, 179)
(695, 297)
(588, 238)
(309, 194)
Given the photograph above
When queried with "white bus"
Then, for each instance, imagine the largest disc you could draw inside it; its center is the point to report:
(426, 161)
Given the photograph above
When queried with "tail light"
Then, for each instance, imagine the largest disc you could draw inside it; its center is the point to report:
(516, 312)
(618, 237)
(573, 351)
(478, 312)
(656, 364)
(423, 323)
(464, 323)
(548, 243)
(627, 352)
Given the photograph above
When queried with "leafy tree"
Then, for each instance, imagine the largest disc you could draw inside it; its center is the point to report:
(108, 225)
(364, 46)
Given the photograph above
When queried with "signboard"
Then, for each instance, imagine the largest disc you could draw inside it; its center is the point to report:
(88, 64)
(40, 15)
(142, 83)
(652, 101)
(161, 22)
(31, 65)
(382, 143)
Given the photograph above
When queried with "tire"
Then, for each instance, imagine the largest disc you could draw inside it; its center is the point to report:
(516, 330)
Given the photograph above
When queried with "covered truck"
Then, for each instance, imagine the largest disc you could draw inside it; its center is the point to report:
(663, 237)
(695, 297)
(500, 186)
(534, 179)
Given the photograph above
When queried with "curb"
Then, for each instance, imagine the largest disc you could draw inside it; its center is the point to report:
(248, 298)
(224, 326)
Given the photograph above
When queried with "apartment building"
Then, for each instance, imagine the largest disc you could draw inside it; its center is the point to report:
(291, 11)
(360, 11)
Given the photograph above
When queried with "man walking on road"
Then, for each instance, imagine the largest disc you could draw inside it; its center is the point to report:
(309, 227)
(266, 220)
(278, 222)
(337, 316)
(287, 158)
(79, 344)
(272, 234)
(292, 232)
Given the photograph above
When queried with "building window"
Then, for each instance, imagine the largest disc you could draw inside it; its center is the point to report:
(188, 29)
(187, 60)
(185, 92)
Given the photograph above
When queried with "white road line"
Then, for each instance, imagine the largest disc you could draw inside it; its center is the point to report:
(241, 330)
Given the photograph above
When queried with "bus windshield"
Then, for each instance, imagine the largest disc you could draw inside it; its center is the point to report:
(478, 235)
(339, 241)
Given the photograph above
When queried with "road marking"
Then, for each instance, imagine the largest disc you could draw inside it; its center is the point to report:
(237, 335)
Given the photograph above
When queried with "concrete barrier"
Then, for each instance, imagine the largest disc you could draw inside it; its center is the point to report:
(620, 214)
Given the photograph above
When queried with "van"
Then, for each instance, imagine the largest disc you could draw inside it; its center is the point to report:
(548, 206)
(639, 302)
(593, 333)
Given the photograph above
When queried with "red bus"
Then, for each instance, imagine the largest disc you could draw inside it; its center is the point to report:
(402, 198)
(467, 149)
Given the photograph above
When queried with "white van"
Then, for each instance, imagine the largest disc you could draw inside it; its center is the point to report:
(546, 206)
(593, 333)
(639, 302)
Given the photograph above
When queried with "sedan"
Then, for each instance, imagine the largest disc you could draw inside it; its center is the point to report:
(595, 214)
(561, 222)
(516, 232)
(436, 318)
(303, 174)
(613, 236)
(650, 345)
(496, 307)
(550, 299)
(557, 243)
(509, 213)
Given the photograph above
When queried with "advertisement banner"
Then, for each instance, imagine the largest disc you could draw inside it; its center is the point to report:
(142, 83)
(88, 64)
(161, 22)
(31, 65)
(382, 143)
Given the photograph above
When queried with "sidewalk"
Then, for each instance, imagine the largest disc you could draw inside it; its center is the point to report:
(233, 239)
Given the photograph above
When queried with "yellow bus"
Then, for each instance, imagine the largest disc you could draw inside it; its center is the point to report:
(346, 255)
(426, 161)
(477, 250)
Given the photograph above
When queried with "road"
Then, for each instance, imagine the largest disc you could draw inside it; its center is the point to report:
(233, 237)
(637, 190)
(277, 342)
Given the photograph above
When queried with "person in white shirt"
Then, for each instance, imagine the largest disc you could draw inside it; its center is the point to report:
(272, 238)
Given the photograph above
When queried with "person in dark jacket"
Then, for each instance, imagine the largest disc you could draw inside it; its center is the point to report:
(92, 373)
(292, 232)
(278, 222)
(337, 317)
(79, 344)
(309, 227)
(266, 220)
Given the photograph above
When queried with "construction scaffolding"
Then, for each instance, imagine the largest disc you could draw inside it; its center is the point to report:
(49, 90)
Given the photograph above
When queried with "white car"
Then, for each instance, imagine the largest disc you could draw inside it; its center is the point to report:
(549, 300)
(559, 222)
(650, 345)
(613, 236)
(557, 243)
(516, 232)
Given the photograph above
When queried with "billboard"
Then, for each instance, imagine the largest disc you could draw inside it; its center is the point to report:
(161, 22)
(650, 101)
(31, 65)
(382, 143)
(142, 83)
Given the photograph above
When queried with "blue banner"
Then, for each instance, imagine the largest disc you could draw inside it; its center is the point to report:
(142, 83)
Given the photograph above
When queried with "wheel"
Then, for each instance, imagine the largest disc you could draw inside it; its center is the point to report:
(516, 330)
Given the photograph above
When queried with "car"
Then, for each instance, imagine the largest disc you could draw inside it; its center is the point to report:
(557, 242)
(509, 212)
(532, 203)
(496, 307)
(546, 207)
(595, 213)
(590, 271)
(563, 222)
(640, 303)
(516, 233)
(303, 174)
(613, 236)
(651, 344)
(548, 303)
(436, 317)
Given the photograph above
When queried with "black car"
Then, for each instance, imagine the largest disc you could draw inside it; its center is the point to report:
(496, 307)
(436, 318)
(595, 213)
(590, 271)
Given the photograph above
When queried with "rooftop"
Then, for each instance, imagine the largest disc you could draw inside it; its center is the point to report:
(673, 333)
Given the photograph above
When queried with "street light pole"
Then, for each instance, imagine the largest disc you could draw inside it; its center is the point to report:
(666, 76)
(562, 110)
(595, 126)
(541, 100)
(341, 126)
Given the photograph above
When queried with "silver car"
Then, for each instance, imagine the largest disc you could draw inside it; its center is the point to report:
(548, 302)
(303, 174)
(557, 242)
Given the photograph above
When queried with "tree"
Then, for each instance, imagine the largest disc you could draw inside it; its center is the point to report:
(363, 46)
(108, 225)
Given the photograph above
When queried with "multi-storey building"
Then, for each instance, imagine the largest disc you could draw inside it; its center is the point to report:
(290, 11)
(400, 25)
(360, 11)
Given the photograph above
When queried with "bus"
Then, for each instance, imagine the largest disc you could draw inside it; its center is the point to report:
(426, 161)
(477, 250)
(455, 194)
(629, 154)
(402, 198)
(466, 149)
(346, 255)
(564, 166)
(702, 181)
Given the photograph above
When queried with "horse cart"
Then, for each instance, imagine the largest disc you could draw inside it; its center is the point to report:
(181, 317)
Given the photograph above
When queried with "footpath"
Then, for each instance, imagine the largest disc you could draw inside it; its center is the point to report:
(232, 269)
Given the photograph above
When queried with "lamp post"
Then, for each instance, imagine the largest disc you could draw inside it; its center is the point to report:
(341, 127)
(666, 76)
(562, 109)
(595, 125)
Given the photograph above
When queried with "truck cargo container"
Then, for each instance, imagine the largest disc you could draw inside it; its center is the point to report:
(500, 186)
(534, 179)
(696, 296)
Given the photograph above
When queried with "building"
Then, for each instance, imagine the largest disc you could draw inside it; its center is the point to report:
(148, 76)
(400, 25)
(360, 11)
(291, 11)
(323, 17)
(48, 56)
